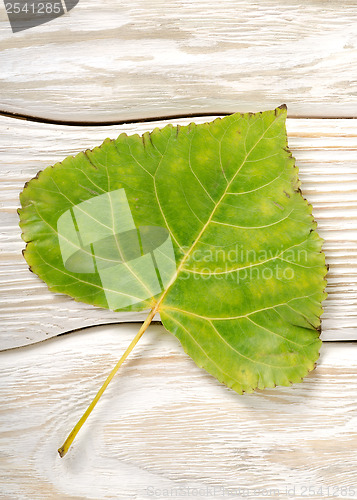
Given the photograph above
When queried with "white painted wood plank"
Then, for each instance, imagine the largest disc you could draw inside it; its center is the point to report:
(326, 155)
(166, 424)
(118, 60)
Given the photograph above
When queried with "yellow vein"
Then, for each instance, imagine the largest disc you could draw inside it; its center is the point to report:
(242, 355)
(262, 159)
(140, 165)
(158, 201)
(90, 180)
(121, 255)
(258, 188)
(224, 318)
(138, 299)
(189, 206)
(78, 207)
(252, 227)
(190, 165)
(201, 348)
(228, 271)
(69, 241)
(274, 333)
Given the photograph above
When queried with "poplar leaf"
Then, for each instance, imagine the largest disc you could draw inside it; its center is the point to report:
(205, 224)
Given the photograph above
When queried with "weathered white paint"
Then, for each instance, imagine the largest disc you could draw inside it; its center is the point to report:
(165, 423)
(326, 155)
(123, 59)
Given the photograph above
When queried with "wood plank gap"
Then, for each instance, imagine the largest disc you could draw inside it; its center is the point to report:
(108, 123)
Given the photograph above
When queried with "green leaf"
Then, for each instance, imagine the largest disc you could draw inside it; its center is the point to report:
(205, 224)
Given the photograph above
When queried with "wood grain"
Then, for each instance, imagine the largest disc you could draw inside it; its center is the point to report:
(165, 424)
(325, 151)
(120, 60)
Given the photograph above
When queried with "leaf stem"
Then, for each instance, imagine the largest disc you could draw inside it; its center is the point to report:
(66, 445)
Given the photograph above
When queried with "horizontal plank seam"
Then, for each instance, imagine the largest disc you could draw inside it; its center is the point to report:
(99, 325)
(120, 323)
(108, 123)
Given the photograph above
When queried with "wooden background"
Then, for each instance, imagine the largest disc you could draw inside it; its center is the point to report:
(165, 423)
(118, 60)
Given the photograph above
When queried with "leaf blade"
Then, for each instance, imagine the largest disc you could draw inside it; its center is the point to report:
(223, 187)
